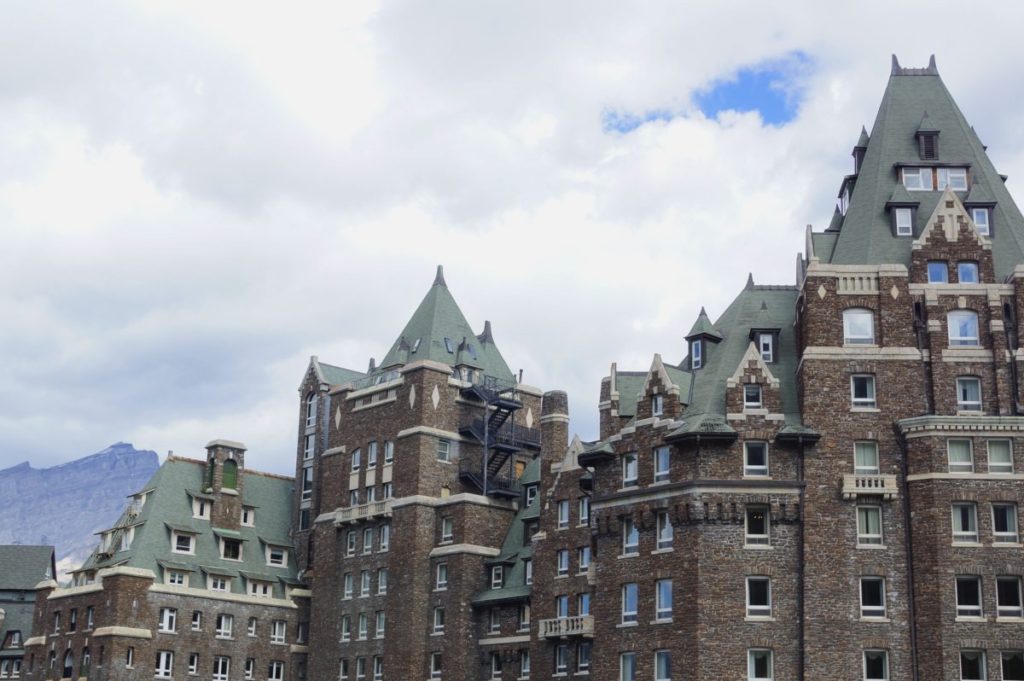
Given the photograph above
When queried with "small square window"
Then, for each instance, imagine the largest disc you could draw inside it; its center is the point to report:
(862, 390)
(759, 665)
(917, 179)
(963, 328)
(967, 272)
(954, 178)
(755, 459)
(751, 395)
(444, 450)
(938, 272)
(858, 327)
(1008, 597)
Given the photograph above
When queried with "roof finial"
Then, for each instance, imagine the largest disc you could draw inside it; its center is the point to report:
(486, 336)
(764, 305)
(703, 312)
(931, 65)
(439, 278)
(896, 70)
(750, 281)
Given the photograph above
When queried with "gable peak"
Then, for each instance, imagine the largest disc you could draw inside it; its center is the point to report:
(930, 70)
(949, 215)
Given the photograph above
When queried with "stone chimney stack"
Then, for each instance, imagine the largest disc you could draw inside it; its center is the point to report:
(225, 462)
(554, 424)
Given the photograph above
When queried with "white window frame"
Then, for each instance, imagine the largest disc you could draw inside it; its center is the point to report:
(766, 346)
(983, 664)
(759, 611)
(435, 665)
(962, 403)
(658, 656)
(563, 514)
(197, 620)
(657, 405)
(276, 671)
(444, 450)
(664, 532)
(630, 538)
(278, 632)
(584, 511)
(583, 559)
(221, 668)
(969, 535)
(627, 671)
(176, 535)
(441, 576)
(628, 613)
(956, 340)
(224, 543)
(753, 396)
(277, 556)
(984, 227)
(379, 623)
(869, 402)
(757, 540)
(904, 221)
(919, 184)
(497, 576)
(972, 267)
(561, 659)
(937, 267)
(1001, 467)
(630, 469)
(960, 466)
(663, 610)
(869, 447)
(752, 656)
(885, 664)
(346, 628)
(364, 583)
(168, 622)
(382, 581)
(967, 609)
(662, 463)
(1002, 659)
(438, 620)
(758, 470)
(954, 178)
(873, 611)
(250, 627)
(371, 454)
(1012, 534)
(193, 663)
(562, 562)
(865, 538)
(1011, 611)
(164, 667)
(852, 335)
(447, 529)
(200, 508)
(225, 625)
(696, 354)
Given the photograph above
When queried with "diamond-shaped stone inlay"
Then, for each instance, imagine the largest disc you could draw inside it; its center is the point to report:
(821, 291)
(895, 292)
(412, 396)
(529, 417)
(435, 397)
(337, 418)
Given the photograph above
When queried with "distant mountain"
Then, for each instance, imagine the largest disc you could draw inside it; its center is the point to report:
(66, 504)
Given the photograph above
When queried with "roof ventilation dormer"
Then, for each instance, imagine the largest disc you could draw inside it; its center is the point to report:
(701, 332)
(927, 139)
(860, 149)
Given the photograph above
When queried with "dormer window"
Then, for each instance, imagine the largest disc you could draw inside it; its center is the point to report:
(954, 178)
(448, 345)
(200, 508)
(928, 145)
(917, 179)
(982, 222)
(903, 219)
(766, 346)
(696, 354)
(751, 395)
(416, 344)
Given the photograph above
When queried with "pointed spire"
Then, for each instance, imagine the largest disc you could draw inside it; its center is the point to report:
(750, 282)
(703, 327)
(862, 141)
(896, 68)
(439, 277)
(373, 365)
(486, 336)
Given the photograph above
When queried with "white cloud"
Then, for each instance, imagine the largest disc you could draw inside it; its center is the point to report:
(197, 197)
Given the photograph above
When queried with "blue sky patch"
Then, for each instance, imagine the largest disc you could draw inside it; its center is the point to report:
(773, 88)
(624, 121)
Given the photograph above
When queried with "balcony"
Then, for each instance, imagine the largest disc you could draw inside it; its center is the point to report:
(563, 627)
(877, 485)
(354, 514)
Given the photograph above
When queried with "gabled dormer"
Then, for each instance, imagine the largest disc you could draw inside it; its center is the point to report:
(753, 388)
(950, 250)
(661, 392)
(927, 139)
(702, 334)
(860, 149)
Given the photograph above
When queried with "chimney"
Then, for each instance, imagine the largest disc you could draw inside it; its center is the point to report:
(554, 424)
(225, 462)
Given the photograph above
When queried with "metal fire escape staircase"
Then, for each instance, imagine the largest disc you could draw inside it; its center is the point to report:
(499, 435)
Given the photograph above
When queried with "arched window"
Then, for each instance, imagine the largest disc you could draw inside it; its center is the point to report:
(963, 327)
(858, 326)
(311, 402)
(230, 474)
(210, 468)
(86, 662)
(69, 662)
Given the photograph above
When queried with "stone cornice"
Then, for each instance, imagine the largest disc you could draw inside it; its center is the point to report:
(926, 426)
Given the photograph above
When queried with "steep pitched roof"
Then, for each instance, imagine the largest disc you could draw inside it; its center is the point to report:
(866, 236)
(168, 506)
(22, 567)
(703, 326)
(438, 331)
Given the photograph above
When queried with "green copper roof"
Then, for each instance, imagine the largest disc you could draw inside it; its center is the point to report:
(22, 567)
(862, 141)
(866, 236)
(169, 506)
(338, 375)
(438, 331)
(703, 327)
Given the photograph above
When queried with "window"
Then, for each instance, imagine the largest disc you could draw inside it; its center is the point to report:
(364, 626)
(561, 606)
(446, 529)
(364, 583)
(967, 272)
(627, 667)
(928, 145)
(629, 602)
(444, 448)
(371, 454)
(346, 628)
(876, 664)
(954, 178)
(1000, 456)
(1004, 524)
(963, 327)
(981, 221)
(1008, 598)
(865, 458)
(661, 464)
(563, 514)
(276, 671)
(225, 623)
(585, 510)
(182, 543)
(872, 597)
(357, 459)
(1012, 665)
(308, 446)
(277, 556)
(16, 636)
(248, 516)
(965, 523)
(757, 526)
(630, 537)
(755, 458)
(367, 541)
(193, 663)
(494, 620)
(904, 221)
(197, 620)
(379, 619)
(766, 346)
(277, 631)
(360, 668)
(387, 490)
(528, 571)
(938, 272)
(968, 393)
(250, 630)
(348, 582)
(310, 410)
(696, 354)
(629, 470)
(307, 482)
(378, 665)
(961, 456)
(561, 659)
(438, 620)
(972, 665)
(869, 526)
(168, 620)
(129, 657)
(524, 663)
(524, 617)
(662, 665)
(759, 665)
(56, 622)
(531, 494)
(382, 581)
(583, 603)
(441, 576)
(759, 597)
(497, 576)
(163, 669)
(664, 529)
(435, 665)
(221, 668)
(200, 508)
(230, 549)
(751, 395)
(862, 390)
(917, 179)
(384, 537)
(657, 405)
(663, 600)
(563, 561)
(858, 327)
(261, 589)
(968, 596)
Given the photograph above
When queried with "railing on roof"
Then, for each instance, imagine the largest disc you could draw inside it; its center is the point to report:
(562, 627)
(883, 485)
(354, 514)
(375, 379)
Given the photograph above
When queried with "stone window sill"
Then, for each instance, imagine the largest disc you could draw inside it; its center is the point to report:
(971, 618)
(656, 552)
(866, 410)
(876, 620)
(759, 547)
(627, 625)
(758, 618)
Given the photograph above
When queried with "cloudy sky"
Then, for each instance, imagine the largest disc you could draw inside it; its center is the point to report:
(195, 197)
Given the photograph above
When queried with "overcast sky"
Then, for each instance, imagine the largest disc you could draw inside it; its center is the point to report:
(195, 197)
